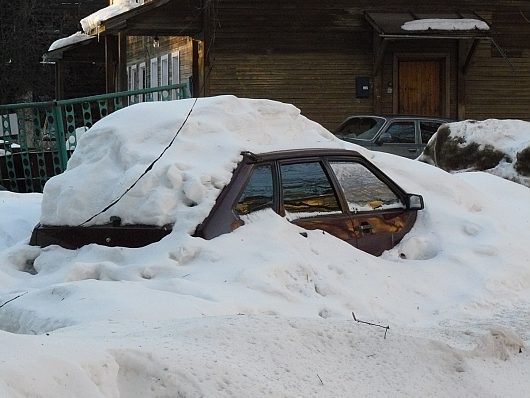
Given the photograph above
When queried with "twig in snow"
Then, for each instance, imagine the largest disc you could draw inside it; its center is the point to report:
(14, 298)
(371, 324)
(321, 382)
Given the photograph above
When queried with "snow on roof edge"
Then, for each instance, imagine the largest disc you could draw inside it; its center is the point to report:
(77, 37)
(91, 22)
(448, 24)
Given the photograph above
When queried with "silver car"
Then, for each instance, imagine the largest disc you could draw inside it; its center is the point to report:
(398, 134)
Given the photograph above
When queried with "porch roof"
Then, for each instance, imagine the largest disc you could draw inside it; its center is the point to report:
(157, 18)
(392, 25)
(90, 50)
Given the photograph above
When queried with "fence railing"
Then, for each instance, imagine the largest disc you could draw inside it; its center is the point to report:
(37, 138)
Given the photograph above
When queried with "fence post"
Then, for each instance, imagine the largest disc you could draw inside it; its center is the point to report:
(60, 135)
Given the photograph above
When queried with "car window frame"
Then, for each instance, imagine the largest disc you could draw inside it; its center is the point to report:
(389, 123)
(396, 189)
(339, 195)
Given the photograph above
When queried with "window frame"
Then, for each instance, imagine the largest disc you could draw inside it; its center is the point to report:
(339, 195)
(153, 76)
(246, 182)
(396, 189)
(390, 123)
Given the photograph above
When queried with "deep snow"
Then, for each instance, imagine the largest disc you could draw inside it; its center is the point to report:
(262, 311)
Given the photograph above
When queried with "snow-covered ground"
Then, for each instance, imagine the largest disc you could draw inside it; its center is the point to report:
(262, 311)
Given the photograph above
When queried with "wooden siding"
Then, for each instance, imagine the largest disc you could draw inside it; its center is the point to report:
(300, 79)
(309, 53)
(496, 90)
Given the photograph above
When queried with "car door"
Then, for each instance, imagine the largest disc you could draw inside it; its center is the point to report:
(309, 200)
(399, 138)
(379, 214)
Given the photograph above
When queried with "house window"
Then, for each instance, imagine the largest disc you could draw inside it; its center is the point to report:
(175, 68)
(154, 77)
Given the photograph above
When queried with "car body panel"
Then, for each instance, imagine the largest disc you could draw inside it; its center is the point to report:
(372, 230)
(375, 140)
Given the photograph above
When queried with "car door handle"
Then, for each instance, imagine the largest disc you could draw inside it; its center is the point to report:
(364, 227)
(412, 150)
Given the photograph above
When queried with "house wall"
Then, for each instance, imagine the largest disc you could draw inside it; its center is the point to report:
(310, 52)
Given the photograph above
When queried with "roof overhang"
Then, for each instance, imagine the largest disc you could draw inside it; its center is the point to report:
(91, 50)
(390, 26)
(157, 18)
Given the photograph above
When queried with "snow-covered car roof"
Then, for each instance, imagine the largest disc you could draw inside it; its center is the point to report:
(209, 135)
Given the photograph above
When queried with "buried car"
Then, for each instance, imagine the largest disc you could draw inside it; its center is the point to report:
(335, 190)
(397, 134)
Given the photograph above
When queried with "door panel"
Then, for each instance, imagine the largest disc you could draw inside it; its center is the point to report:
(420, 87)
(310, 201)
(340, 226)
(400, 139)
(380, 231)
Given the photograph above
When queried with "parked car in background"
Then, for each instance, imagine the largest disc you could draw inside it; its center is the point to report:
(397, 134)
(334, 190)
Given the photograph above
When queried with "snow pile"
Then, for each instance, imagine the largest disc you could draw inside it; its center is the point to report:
(500, 147)
(67, 41)
(263, 310)
(209, 144)
(445, 24)
(18, 214)
(93, 21)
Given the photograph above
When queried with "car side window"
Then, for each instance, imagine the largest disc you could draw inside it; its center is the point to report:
(427, 129)
(399, 133)
(363, 190)
(307, 190)
(258, 194)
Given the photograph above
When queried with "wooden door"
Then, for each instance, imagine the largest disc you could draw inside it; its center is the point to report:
(420, 87)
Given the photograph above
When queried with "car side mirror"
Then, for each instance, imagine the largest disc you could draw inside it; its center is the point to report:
(414, 202)
(385, 138)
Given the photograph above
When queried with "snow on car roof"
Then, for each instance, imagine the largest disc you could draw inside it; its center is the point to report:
(184, 183)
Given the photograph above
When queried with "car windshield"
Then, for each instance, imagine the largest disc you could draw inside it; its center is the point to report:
(361, 128)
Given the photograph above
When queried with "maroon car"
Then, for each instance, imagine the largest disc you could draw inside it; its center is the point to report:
(334, 190)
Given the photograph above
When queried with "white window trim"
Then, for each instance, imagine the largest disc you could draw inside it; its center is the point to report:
(175, 56)
(153, 76)
(133, 75)
(175, 68)
(141, 79)
(164, 80)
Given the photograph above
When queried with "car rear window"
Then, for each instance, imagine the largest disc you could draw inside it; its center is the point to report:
(258, 194)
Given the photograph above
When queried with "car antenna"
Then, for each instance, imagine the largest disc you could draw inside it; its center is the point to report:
(146, 170)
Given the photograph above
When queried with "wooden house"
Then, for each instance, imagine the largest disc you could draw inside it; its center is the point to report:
(330, 59)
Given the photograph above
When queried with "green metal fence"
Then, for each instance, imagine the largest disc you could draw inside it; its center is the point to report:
(37, 138)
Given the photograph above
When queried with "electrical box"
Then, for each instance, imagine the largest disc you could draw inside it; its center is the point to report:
(362, 87)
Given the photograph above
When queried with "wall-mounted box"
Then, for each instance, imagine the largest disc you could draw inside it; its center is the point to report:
(362, 87)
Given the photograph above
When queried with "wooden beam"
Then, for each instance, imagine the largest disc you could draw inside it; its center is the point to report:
(379, 47)
(59, 80)
(111, 57)
(122, 62)
(466, 48)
